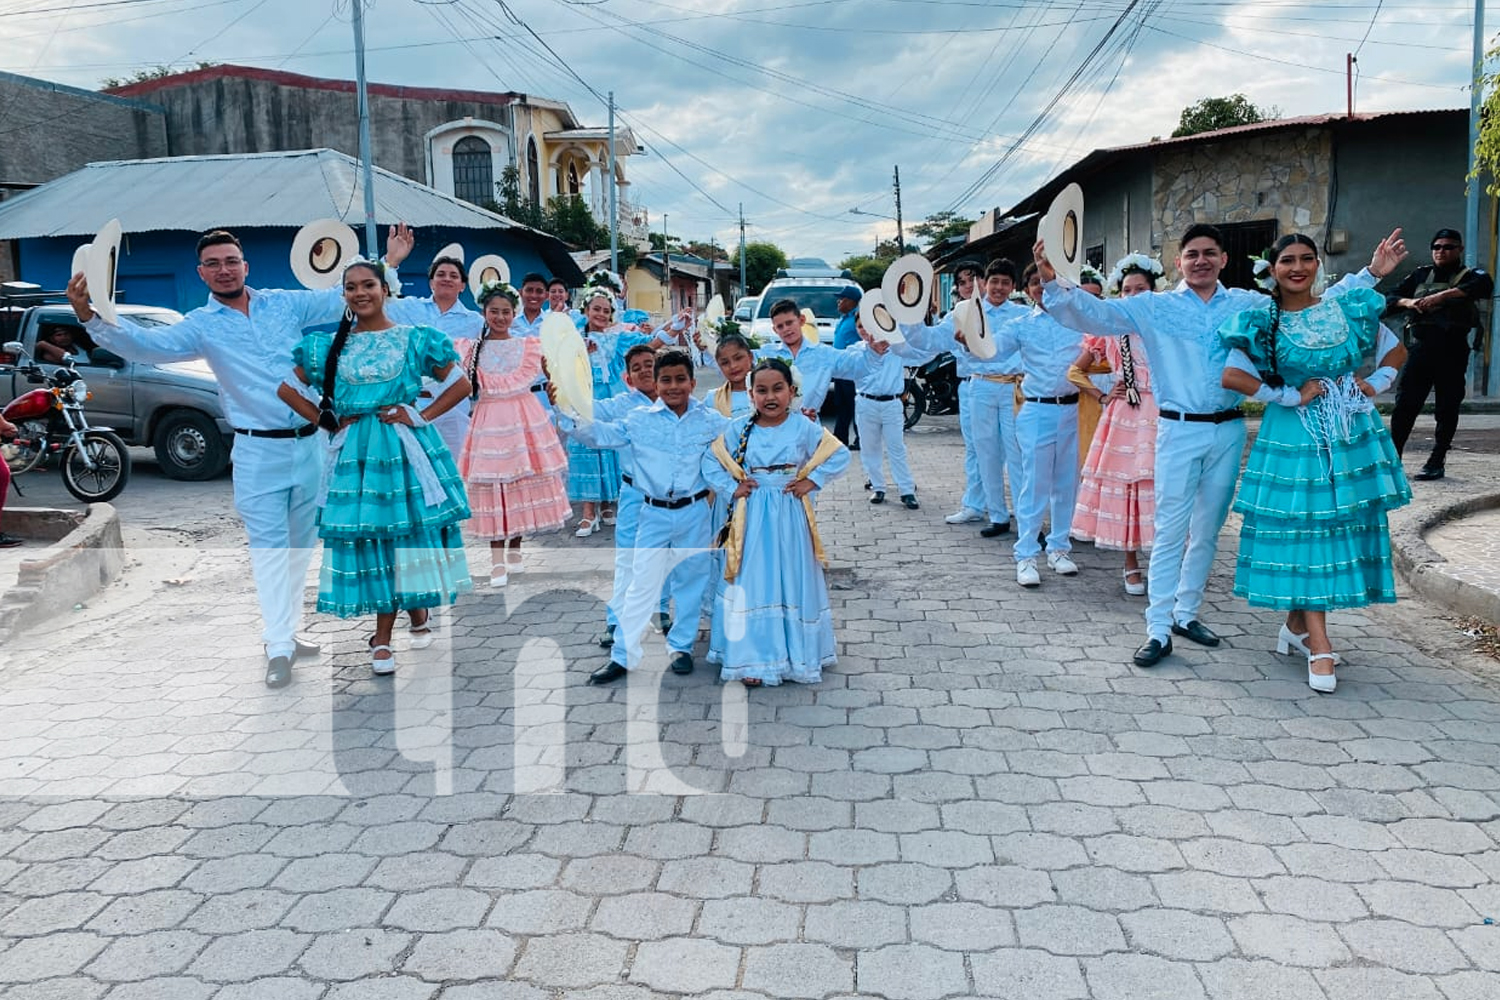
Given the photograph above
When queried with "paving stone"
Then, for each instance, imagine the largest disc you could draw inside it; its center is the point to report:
(398, 988)
(64, 911)
(1005, 885)
(1356, 983)
(1206, 892)
(438, 910)
(1288, 940)
(272, 988)
(1402, 946)
(461, 954)
(1236, 979)
(540, 911)
(962, 926)
(608, 876)
(248, 956)
(808, 882)
(1177, 934)
(147, 956)
(797, 970)
(1069, 930)
(1418, 904)
(246, 910)
(338, 910)
(515, 871)
(685, 965)
(760, 844)
(854, 847)
(1141, 977)
(1229, 857)
(1104, 889)
(355, 953)
(949, 849)
(495, 991)
(707, 878)
(1019, 972)
(1464, 986)
(644, 916)
(903, 883)
(562, 960)
(1311, 898)
(31, 959)
(911, 972)
(851, 924)
(1134, 854)
(71, 988)
(331, 871)
(747, 921)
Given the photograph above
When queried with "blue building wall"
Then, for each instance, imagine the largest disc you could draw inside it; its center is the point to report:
(160, 269)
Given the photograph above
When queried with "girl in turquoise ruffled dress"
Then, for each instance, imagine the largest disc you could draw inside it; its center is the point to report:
(392, 498)
(1322, 473)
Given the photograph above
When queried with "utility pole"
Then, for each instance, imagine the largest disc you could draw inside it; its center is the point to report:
(744, 289)
(666, 269)
(362, 97)
(1476, 103)
(900, 231)
(614, 194)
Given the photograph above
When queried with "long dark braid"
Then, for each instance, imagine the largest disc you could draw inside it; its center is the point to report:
(474, 361)
(744, 442)
(327, 419)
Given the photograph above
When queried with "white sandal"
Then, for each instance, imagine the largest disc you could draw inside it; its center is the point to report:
(382, 667)
(1287, 641)
(499, 576)
(421, 635)
(1322, 683)
(1135, 589)
(587, 527)
(516, 565)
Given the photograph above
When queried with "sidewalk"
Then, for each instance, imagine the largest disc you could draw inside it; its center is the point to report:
(982, 799)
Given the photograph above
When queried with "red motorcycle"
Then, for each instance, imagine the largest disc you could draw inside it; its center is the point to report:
(50, 421)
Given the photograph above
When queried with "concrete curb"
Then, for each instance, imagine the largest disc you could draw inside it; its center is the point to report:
(86, 554)
(1429, 573)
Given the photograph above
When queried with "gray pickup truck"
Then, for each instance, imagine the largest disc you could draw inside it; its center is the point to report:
(173, 408)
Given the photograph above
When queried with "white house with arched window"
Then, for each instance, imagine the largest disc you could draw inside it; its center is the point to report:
(466, 158)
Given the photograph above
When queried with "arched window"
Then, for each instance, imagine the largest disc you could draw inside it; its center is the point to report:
(573, 183)
(533, 171)
(473, 170)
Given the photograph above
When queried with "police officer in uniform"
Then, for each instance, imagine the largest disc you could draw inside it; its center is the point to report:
(1442, 303)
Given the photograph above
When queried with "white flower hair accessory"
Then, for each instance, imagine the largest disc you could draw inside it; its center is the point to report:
(598, 292)
(1260, 267)
(1090, 275)
(490, 289)
(1135, 263)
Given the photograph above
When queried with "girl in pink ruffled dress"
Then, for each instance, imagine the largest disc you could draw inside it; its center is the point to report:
(512, 462)
(1116, 488)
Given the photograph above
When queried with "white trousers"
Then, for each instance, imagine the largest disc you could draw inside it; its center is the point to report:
(973, 485)
(1047, 435)
(995, 447)
(275, 492)
(669, 544)
(627, 523)
(882, 432)
(1197, 465)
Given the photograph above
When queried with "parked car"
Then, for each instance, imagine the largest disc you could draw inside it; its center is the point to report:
(744, 309)
(173, 408)
(821, 295)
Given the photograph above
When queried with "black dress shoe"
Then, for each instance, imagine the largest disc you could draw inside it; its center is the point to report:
(879, 497)
(662, 622)
(608, 674)
(682, 663)
(1430, 472)
(1152, 652)
(854, 446)
(909, 500)
(278, 671)
(995, 530)
(306, 650)
(1196, 631)
(606, 638)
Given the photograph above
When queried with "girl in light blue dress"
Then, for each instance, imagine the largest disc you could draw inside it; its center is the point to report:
(392, 498)
(1323, 472)
(594, 473)
(772, 621)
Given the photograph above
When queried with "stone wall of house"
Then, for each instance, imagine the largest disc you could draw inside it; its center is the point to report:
(1279, 175)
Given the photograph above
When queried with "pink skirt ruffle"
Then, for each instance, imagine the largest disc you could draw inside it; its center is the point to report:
(522, 508)
(1117, 486)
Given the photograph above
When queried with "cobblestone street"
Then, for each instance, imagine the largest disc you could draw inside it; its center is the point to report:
(983, 799)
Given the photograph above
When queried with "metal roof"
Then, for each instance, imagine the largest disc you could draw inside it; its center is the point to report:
(197, 193)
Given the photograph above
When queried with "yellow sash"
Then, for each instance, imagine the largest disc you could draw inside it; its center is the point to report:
(723, 398)
(734, 541)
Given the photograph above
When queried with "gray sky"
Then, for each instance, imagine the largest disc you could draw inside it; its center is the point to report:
(800, 108)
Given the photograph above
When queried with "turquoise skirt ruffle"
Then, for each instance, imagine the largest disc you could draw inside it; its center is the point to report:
(384, 549)
(1315, 535)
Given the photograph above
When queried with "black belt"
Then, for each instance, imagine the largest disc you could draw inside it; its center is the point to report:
(1057, 400)
(879, 399)
(540, 387)
(625, 478)
(1204, 418)
(280, 432)
(774, 468)
(679, 503)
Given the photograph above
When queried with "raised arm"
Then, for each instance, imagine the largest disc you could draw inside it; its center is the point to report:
(180, 341)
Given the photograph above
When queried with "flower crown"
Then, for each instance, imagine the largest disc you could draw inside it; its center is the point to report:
(1088, 274)
(1260, 268)
(490, 289)
(592, 292)
(1134, 263)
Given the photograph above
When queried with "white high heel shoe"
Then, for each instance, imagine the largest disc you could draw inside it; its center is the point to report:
(1135, 589)
(1287, 640)
(1322, 683)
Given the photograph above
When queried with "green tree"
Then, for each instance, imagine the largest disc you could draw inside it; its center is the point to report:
(1487, 149)
(154, 73)
(658, 240)
(941, 226)
(568, 218)
(513, 204)
(867, 270)
(761, 262)
(1214, 113)
(706, 250)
